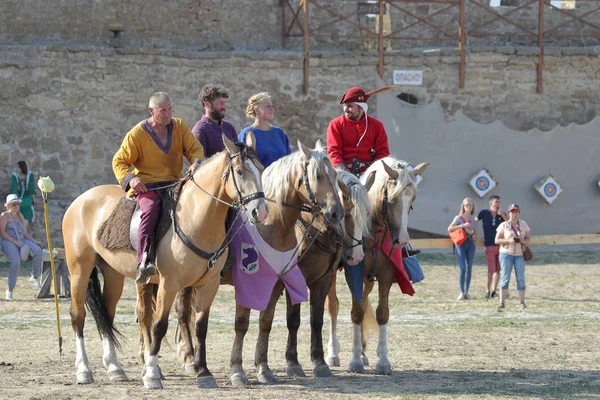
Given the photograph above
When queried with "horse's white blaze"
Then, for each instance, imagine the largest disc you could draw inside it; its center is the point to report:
(261, 212)
(404, 224)
(152, 367)
(81, 361)
(109, 358)
(356, 345)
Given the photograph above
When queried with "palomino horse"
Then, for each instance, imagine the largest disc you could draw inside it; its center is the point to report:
(391, 197)
(319, 265)
(199, 218)
(281, 181)
(302, 178)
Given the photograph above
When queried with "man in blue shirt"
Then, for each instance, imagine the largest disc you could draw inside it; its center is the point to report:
(208, 130)
(490, 219)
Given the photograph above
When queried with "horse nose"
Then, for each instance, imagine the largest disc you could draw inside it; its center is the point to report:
(259, 214)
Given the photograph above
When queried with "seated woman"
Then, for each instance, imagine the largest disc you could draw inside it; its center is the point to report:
(271, 141)
(13, 238)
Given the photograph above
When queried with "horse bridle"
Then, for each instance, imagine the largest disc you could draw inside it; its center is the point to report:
(239, 203)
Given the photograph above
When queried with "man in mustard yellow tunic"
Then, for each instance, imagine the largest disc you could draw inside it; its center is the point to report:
(155, 149)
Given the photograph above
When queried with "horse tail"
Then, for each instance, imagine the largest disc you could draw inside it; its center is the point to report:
(96, 304)
(369, 320)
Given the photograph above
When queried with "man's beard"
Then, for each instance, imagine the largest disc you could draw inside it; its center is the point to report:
(217, 116)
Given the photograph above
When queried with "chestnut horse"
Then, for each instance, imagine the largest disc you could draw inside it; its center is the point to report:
(199, 215)
(319, 263)
(391, 197)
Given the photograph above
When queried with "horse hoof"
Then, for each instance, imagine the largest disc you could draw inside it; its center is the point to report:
(152, 383)
(322, 371)
(383, 368)
(333, 361)
(295, 371)
(85, 378)
(207, 382)
(189, 369)
(356, 366)
(267, 377)
(239, 379)
(365, 360)
(118, 376)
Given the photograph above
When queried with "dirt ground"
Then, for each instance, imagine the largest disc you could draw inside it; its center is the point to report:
(440, 348)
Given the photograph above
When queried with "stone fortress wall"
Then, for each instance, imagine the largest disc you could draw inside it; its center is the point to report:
(76, 76)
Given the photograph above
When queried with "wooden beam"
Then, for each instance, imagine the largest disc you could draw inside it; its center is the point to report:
(306, 54)
(380, 36)
(540, 66)
(461, 44)
(538, 240)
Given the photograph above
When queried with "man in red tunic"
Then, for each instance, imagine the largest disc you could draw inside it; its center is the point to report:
(355, 139)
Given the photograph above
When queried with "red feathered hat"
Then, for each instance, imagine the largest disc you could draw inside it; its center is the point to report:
(355, 95)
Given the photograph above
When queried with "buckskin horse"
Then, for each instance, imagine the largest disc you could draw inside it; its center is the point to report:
(320, 257)
(198, 217)
(391, 197)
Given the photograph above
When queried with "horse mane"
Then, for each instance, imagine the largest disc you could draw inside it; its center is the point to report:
(282, 175)
(405, 178)
(360, 198)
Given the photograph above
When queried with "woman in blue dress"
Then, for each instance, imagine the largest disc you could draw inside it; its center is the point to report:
(271, 141)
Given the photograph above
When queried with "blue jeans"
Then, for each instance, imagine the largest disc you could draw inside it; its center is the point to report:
(506, 264)
(465, 253)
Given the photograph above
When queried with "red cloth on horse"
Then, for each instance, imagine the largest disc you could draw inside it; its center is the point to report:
(396, 257)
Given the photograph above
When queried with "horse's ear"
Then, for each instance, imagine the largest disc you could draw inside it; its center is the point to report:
(319, 146)
(229, 145)
(420, 168)
(344, 188)
(251, 139)
(390, 171)
(305, 151)
(370, 181)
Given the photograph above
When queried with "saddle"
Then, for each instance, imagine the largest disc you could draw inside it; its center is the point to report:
(120, 230)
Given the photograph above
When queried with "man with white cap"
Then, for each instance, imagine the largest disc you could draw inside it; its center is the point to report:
(355, 139)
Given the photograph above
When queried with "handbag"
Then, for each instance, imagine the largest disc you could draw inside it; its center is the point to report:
(458, 236)
(527, 254)
(413, 269)
(24, 251)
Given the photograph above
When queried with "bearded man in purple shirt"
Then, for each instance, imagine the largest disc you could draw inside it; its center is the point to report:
(208, 130)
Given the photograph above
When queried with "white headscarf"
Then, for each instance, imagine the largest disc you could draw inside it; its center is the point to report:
(365, 107)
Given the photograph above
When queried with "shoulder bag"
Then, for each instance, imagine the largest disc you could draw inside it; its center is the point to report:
(458, 236)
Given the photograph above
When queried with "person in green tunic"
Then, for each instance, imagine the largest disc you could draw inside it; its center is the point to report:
(22, 184)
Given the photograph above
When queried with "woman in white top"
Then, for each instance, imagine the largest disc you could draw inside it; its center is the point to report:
(465, 253)
(511, 235)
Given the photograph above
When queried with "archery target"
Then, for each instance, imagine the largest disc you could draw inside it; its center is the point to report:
(549, 189)
(482, 183)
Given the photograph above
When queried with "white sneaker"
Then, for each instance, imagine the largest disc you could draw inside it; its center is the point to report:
(35, 282)
(9, 295)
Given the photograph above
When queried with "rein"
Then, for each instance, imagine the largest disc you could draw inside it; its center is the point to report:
(240, 203)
